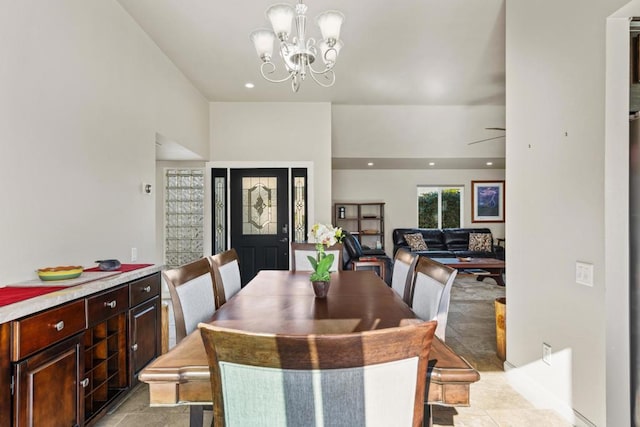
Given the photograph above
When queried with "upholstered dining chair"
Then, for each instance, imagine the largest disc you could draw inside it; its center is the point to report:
(431, 292)
(226, 273)
(300, 251)
(404, 264)
(193, 295)
(194, 300)
(372, 378)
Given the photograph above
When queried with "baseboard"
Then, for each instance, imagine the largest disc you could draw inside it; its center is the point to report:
(539, 397)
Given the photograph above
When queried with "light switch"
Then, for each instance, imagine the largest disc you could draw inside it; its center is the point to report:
(584, 273)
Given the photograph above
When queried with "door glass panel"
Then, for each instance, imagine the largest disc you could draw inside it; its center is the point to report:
(259, 205)
(219, 214)
(299, 209)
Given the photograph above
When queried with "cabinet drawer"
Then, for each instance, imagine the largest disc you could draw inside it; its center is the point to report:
(103, 306)
(143, 289)
(36, 332)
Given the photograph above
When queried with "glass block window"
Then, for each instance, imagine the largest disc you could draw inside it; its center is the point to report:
(299, 197)
(184, 198)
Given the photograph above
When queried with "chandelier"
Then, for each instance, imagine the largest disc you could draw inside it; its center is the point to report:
(300, 53)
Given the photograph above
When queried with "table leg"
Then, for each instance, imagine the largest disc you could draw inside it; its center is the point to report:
(499, 279)
(195, 415)
(495, 274)
(427, 421)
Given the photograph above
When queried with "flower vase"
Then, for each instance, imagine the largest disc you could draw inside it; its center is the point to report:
(321, 288)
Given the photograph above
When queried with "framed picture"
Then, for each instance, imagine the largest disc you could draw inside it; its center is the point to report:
(487, 201)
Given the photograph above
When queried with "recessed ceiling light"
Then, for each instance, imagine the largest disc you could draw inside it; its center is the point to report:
(489, 163)
(370, 164)
(432, 163)
(249, 85)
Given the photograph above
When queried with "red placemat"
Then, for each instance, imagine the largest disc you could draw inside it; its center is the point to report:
(10, 294)
(123, 268)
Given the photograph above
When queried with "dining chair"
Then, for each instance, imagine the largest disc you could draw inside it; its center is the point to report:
(194, 300)
(404, 264)
(193, 295)
(300, 251)
(431, 292)
(226, 273)
(372, 378)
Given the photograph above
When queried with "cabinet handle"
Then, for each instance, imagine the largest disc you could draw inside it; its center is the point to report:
(134, 347)
(110, 304)
(59, 326)
(84, 383)
(146, 289)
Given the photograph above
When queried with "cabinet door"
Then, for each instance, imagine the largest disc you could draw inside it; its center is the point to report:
(145, 334)
(5, 375)
(47, 388)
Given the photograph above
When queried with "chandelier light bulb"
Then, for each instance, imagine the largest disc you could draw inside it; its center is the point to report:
(330, 23)
(280, 16)
(263, 41)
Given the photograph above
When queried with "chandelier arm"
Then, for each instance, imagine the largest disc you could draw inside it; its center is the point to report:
(327, 68)
(329, 74)
(272, 66)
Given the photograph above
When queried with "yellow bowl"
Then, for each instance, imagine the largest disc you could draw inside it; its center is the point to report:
(59, 273)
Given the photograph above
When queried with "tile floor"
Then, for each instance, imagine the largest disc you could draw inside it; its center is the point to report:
(470, 332)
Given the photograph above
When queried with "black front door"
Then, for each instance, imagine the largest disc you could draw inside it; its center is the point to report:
(260, 220)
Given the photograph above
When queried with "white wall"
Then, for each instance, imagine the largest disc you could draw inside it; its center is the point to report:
(416, 131)
(397, 188)
(84, 92)
(277, 132)
(556, 182)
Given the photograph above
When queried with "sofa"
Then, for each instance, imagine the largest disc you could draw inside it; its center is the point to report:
(448, 242)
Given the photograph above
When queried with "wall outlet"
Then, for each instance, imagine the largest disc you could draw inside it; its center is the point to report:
(546, 353)
(134, 254)
(584, 273)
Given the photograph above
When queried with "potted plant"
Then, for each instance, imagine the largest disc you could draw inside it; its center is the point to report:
(324, 236)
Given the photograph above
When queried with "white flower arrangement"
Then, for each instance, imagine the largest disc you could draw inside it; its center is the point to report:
(323, 236)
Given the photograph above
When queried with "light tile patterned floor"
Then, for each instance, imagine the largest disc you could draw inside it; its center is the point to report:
(470, 332)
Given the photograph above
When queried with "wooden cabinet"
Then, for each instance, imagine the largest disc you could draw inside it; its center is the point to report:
(46, 349)
(144, 323)
(5, 374)
(47, 391)
(67, 365)
(105, 350)
(365, 220)
(33, 333)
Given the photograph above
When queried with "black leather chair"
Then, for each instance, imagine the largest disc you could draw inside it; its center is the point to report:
(352, 250)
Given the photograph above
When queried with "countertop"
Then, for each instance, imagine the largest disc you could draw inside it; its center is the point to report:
(97, 282)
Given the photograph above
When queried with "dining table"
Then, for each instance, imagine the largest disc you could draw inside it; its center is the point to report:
(283, 302)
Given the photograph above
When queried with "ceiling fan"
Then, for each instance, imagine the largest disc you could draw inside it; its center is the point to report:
(489, 139)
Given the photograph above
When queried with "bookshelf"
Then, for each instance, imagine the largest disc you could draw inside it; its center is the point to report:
(365, 220)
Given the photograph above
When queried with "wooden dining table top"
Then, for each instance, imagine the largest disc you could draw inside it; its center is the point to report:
(283, 302)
